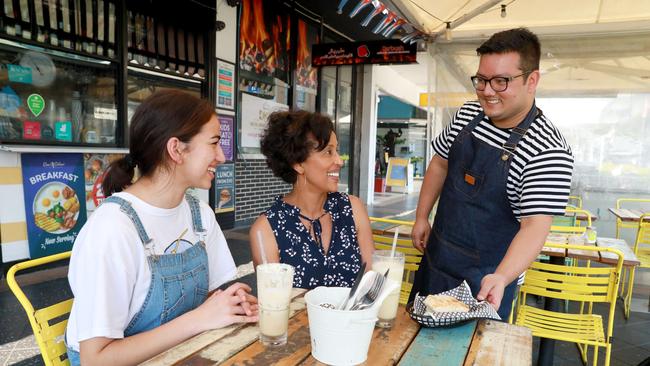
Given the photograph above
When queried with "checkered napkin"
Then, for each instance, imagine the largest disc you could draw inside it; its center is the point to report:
(477, 310)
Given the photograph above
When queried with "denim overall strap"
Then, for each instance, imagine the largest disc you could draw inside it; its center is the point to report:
(195, 208)
(125, 206)
(474, 223)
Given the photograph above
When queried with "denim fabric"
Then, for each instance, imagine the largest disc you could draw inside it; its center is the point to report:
(179, 282)
(474, 223)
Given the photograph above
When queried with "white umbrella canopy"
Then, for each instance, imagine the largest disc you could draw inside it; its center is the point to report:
(590, 47)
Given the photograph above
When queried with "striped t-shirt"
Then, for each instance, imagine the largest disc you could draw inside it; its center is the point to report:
(539, 179)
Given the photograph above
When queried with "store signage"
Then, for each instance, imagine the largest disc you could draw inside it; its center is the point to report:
(227, 136)
(225, 85)
(105, 113)
(31, 130)
(389, 51)
(95, 166)
(36, 104)
(63, 130)
(396, 174)
(55, 212)
(224, 188)
(254, 118)
(19, 74)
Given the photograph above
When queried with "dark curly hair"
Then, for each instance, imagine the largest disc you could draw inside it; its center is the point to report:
(290, 137)
(519, 40)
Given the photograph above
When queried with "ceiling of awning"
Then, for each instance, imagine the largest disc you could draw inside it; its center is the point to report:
(480, 18)
(589, 47)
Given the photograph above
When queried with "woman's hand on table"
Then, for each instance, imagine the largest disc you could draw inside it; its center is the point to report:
(225, 307)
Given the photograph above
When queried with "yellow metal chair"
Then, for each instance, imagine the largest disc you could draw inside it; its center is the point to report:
(46, 323)
(412, 256)
(572, 283)
(574, 202)
(620, 224)
(642, 252)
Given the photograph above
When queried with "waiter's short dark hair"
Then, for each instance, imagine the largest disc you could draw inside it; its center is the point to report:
(519, 40)
(290, 137)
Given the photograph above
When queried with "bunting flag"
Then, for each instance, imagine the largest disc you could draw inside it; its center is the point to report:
(378, 9)
(360, 5)
(388, 24)
(389, 18)
(342, 3)
(393, 27)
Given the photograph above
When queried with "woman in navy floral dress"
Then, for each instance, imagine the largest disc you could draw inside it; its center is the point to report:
(323, 233)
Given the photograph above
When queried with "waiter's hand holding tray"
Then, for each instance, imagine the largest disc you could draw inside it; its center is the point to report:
(459, 298)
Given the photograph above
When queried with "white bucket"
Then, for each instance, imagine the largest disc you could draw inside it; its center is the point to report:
(338, 337)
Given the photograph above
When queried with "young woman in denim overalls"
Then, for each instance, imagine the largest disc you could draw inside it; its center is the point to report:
(143, 266)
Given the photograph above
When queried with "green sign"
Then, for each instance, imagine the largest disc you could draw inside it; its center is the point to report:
(36, 104)
(63, 130)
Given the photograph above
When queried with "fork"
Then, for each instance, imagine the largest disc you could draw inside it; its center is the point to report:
(371, 296)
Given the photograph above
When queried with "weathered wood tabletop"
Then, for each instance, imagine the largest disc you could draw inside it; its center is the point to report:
(627, 214)
(483, 342)
(629, 258)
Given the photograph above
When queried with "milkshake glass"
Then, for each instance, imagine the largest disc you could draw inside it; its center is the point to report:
(274, 284)
(381, 260)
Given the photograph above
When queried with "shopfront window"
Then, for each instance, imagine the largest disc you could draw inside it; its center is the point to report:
(141, 85)
(52, 97)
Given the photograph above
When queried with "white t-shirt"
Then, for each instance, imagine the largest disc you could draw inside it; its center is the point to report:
(109, 274)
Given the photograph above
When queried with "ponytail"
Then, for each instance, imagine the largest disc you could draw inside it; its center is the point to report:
(119, 175)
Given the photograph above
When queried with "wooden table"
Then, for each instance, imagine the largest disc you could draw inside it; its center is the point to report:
(484, 342)
(629, 258)
(627, 214)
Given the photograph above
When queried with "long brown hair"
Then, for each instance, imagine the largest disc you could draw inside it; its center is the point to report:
(163, 115)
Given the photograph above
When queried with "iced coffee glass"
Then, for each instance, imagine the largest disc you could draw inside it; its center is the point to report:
(274, 284)
(381, 261)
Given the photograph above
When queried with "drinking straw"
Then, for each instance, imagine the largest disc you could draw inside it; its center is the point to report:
(259, 242)
(392, 251)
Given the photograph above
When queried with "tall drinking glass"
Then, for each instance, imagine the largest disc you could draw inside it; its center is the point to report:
(381, 261)
(274, 284)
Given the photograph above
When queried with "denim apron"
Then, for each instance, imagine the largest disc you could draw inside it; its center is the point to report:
(474, 223)
(179, 281)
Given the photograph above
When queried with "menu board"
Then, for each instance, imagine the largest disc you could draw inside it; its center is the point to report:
(54, 201)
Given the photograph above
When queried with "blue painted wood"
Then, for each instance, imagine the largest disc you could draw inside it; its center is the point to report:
(440, 346)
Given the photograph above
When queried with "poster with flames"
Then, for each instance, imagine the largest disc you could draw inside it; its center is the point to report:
(264, 46)
(306, 77)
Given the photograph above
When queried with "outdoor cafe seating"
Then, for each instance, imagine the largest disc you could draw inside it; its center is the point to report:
(49, 323)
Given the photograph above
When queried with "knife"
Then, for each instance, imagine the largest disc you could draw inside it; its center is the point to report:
(357, 281)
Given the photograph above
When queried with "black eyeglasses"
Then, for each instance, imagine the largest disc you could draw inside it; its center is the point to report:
(497, 83)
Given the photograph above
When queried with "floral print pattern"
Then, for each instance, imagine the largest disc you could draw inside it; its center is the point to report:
(313, 268)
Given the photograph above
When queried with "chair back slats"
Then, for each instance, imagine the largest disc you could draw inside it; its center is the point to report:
(573, 270)
(49, 323)
(412, 256)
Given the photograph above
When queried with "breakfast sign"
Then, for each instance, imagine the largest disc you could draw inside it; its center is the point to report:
(389, 51)
(53, 185)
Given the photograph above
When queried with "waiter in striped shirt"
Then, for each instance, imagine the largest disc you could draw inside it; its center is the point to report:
(501, 171)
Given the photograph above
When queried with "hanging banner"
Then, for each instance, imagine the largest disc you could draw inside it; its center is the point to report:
(255, 112)
(227, 138)
(224, 188)
(389, 51)
(54, 204)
